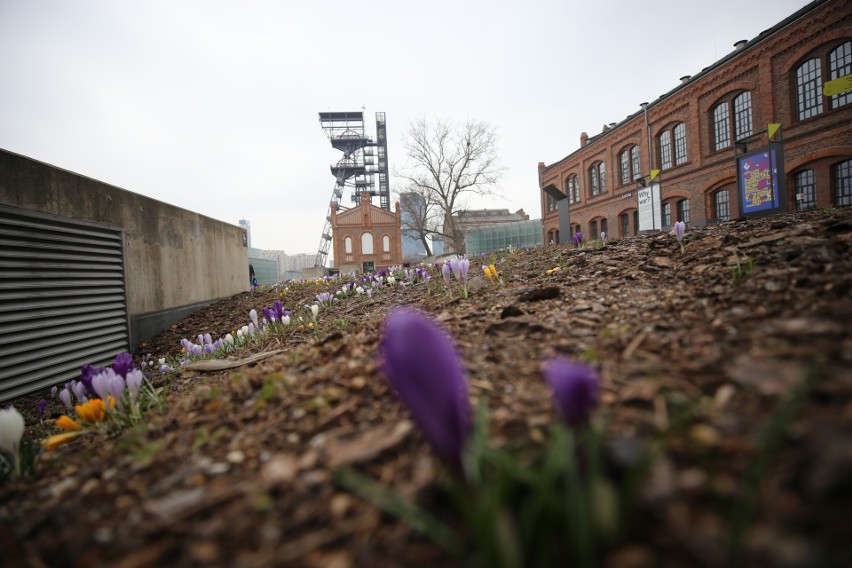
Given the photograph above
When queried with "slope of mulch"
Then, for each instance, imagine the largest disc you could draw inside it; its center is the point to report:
(237, 468)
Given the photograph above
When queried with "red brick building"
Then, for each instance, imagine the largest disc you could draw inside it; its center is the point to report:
(692, 133)
(366, 237)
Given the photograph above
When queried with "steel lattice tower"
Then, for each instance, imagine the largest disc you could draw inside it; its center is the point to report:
(362, 158)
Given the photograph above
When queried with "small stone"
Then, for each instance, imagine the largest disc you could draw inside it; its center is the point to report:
(704, 435)
(723, 396)
(340, 504)
(236, 456)
(217, 468)
(279, 470)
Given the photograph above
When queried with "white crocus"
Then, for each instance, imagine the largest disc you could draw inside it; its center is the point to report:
(11, 432)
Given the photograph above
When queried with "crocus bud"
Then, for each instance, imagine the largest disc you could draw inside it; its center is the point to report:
(446, 272)
(65, 397)
(576, 389)
(253, 316)
(11, 430)
(421, 363)
(134, 381)
(679, 230)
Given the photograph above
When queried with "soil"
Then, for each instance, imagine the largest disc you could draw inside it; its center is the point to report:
(702, 346)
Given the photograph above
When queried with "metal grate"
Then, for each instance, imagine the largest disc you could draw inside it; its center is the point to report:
(62, 299)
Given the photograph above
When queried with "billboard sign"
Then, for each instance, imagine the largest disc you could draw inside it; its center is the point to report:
(760, 181)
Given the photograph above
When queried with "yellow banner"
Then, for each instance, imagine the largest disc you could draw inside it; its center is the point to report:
(840, 85)
(773, 128)
(654, 173)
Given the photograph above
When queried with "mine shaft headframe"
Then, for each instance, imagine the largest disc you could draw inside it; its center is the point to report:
(345, 131)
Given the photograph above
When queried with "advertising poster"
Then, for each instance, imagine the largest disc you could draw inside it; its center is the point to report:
(650, 208)
(761, 188)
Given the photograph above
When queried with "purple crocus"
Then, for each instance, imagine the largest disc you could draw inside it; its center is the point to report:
(278, 309)
(460, 267)
(86, 374)
(576, 389)
(253, 316)
(577, 238)
(446, 273)
(679, 230)
(123, 363)
(65, 397)
(423, 366)
(40, 408)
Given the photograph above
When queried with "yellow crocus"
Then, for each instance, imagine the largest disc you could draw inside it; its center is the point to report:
(68, 424)
(487, 272)
(493, 270)
(92, 412)
(58, 439)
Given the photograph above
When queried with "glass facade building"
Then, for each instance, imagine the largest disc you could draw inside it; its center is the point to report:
(494, 238)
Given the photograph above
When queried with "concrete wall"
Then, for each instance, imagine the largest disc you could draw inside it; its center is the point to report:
(175, 260)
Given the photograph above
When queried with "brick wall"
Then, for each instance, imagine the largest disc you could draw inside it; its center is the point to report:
(765, 67)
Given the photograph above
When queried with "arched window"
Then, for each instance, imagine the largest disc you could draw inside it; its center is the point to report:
(805, 190)
(721, 128)
(742, 115)
(721, 205)
(736, 106)
(347, 245)
(634, 160)
(593, 230)
(367, 243)
(680, 143)
(842, 173)
(597, 178)
(664, 141)
(630, 167)
(809, 89)
(385, 243)
(683, 210)
(840, 65)
(624, 221)
(572, 188)
(672, 153)
(604, 228)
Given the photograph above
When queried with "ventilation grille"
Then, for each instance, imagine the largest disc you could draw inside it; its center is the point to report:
(62, 299)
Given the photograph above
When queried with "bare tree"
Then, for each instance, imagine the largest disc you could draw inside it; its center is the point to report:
(447, 165)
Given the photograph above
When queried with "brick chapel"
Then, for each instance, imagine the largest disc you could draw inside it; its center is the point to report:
(366, 238)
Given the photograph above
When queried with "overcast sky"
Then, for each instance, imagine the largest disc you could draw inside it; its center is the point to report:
(213, 106)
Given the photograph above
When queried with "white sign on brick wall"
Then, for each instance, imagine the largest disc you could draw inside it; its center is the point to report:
(650, 208)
